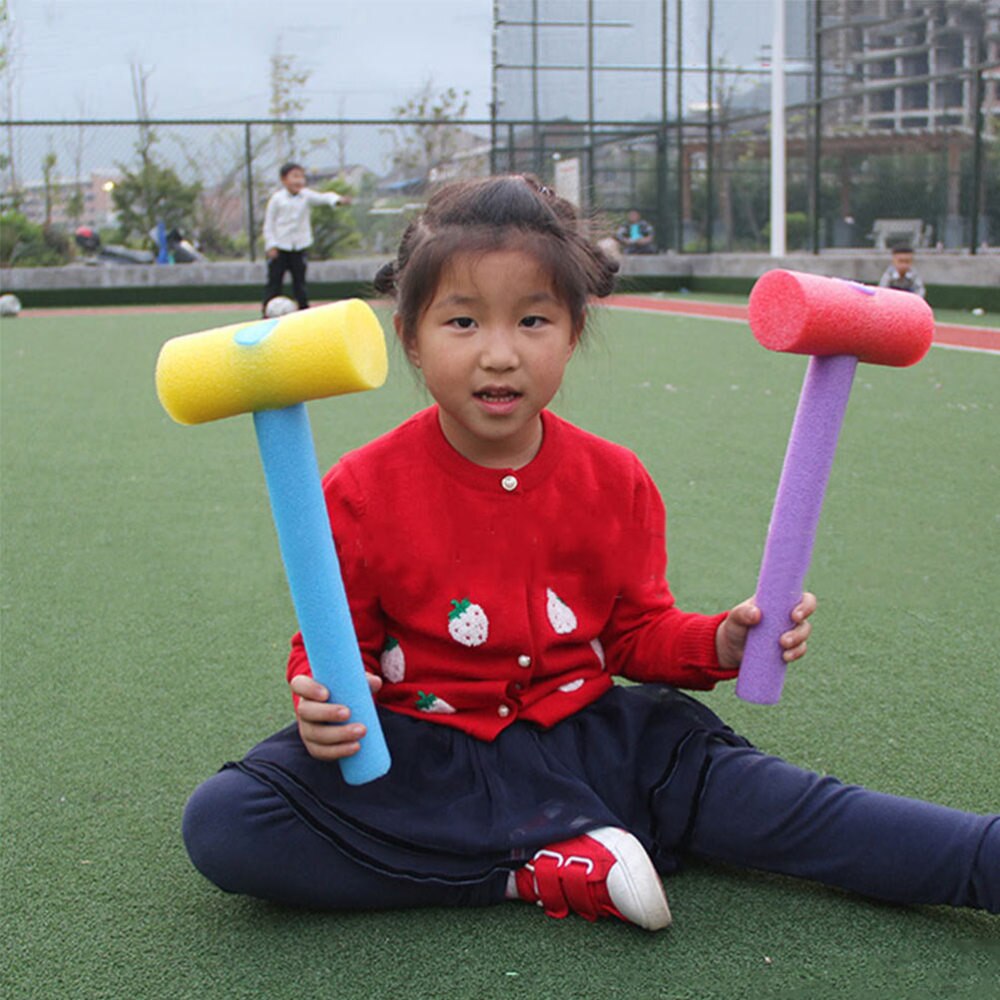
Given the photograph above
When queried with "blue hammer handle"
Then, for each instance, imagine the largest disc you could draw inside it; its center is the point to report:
(313, 570)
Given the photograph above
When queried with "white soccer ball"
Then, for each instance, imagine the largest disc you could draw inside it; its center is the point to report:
(10, 305)
(280, 305)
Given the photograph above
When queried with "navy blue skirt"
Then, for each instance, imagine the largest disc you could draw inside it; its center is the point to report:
(455, 809)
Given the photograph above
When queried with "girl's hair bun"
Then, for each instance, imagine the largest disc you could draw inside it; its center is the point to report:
(385, 278)
(605, 274)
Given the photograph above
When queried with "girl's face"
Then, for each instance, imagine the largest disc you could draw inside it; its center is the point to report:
(492, 346)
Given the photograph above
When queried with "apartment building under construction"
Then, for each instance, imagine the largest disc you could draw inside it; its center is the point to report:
(908, 56)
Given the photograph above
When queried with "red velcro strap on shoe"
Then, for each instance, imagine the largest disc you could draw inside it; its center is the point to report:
(549, 886)
(574, 885)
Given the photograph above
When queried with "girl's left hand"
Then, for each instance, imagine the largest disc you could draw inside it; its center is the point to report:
(731, 636)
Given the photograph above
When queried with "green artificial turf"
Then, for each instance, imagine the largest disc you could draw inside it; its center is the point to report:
(145, 622)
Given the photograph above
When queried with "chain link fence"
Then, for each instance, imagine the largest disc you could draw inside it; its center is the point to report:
(892, 121)
(892, 134)
(209, 181)
(703, 184)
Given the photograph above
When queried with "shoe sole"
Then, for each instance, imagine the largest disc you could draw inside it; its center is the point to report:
(639, 884)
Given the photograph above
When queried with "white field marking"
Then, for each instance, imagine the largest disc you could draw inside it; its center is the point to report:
(973, 350)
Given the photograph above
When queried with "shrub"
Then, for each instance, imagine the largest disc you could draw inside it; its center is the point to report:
(335, 231)
(26, 244)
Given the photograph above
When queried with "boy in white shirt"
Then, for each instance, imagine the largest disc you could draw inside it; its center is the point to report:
(288, 233)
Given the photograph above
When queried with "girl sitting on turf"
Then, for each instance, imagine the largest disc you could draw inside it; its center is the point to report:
(503, 566)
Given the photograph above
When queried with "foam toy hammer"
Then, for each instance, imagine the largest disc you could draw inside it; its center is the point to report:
(270, 368)
(839, 323)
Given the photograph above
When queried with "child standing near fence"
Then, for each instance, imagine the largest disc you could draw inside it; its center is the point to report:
(900, 273)
(288, 231)
(503, 568)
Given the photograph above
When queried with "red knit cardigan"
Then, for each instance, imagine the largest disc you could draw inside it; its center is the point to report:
(483, 596)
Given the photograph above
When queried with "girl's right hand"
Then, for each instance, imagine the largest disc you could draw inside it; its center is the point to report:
(324, 728)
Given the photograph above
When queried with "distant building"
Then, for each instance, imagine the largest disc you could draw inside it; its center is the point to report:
(903, 45)
(575, 60)
(901, 60)
(85, 201)
(599, 81)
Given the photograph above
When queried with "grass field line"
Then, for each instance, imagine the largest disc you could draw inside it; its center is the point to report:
(953, 335)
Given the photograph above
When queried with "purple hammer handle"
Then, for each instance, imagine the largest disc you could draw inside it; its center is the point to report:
(792, 531)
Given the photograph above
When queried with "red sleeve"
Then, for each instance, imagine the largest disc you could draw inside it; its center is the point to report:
(346, 507)
(648, 638)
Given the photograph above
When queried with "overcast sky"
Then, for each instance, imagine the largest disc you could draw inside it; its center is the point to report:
(210, 58)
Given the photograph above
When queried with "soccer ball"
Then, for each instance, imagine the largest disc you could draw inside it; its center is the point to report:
(10, 305)
(280, 305)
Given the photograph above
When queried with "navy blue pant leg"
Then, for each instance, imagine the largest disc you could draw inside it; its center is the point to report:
(245, 838)
(297, 269)
(761, 812)
(294, 262)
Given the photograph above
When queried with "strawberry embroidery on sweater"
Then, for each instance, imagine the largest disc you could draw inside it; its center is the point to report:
(432, 703)
(467, 623)
(561, 616)
(392, 660)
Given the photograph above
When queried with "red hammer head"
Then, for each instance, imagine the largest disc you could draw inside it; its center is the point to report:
(810, 314)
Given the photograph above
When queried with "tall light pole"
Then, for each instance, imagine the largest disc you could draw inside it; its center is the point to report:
(778, 131)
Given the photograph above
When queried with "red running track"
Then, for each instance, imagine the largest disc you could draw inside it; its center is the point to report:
(970, 338)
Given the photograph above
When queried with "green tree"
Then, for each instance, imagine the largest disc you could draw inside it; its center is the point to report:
(220, 170)
(896, 186)
(428, 133)
(76, 202)
(335, 229)
(26, 244)
(75, 205)
(796, 231)
(8, 100)
(153, 192)
(48, 182)
(288, 83)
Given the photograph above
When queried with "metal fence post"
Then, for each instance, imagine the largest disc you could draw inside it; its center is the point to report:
(662, 186)
(591, 185)
(709, 129)
(977, 147)
(662, 138)
(817, 143)
(251, 226)
(680, 126)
